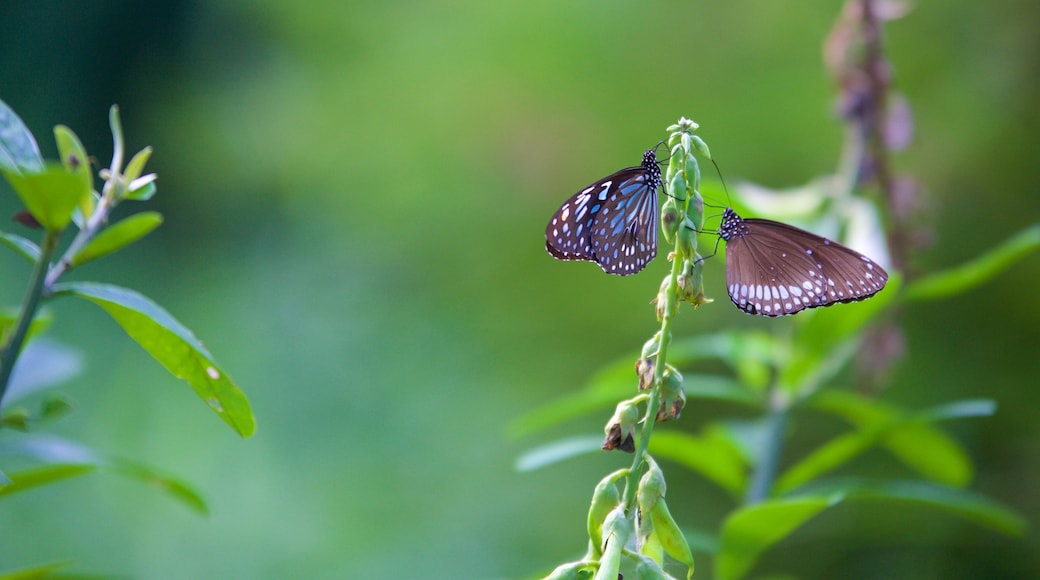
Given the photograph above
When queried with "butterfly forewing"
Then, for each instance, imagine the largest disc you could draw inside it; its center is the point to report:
(612, 222)
(774, 269)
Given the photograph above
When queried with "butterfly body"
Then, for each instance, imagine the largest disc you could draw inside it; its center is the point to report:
(612, 222)
(774, 269)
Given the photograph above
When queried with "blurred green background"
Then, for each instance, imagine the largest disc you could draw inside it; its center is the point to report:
(355, 196)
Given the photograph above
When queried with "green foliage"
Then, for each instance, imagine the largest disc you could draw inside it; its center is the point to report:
(119, 235)
(60, 197)
(171, 344)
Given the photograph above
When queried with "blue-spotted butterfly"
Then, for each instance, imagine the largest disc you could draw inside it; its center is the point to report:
(612, 222)
(775, 269)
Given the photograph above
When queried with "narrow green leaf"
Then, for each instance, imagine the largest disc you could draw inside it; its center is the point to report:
(50, 195)
(711, 455)
(967, 276)
(39, 476)
(18, 149)
(827, 457)
(118, 236)
(25, 248)
(557, 451)
(909, 436)
(172, 486)
(751, 530)
(959, 502)
(135, 168)
(36, 572)
(67, 454)
(173, 345)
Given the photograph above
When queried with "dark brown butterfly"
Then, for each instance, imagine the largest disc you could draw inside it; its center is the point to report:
(774, 269)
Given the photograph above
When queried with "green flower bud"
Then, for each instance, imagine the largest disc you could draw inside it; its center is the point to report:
(604, 499)
(678, 186)
(701, 146)
(670, 220)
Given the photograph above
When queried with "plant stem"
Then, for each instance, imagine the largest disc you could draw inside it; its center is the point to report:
(652, 404)
(90, 229)
(9, 353)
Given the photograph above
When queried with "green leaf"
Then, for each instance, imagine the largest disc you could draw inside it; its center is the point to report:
(36, 572)
(50, 195)
(143, 193)
(25, 248)
(74, 159)
(557, 451)
(751, 530)
(18, 149)
(173, 345)
(170, 485)
(909, 436)
(959, 502)
(39, 476)
(711, 455)
(135, 168)
(72, 456)
(979, 270)
(118, 236)
(828, 457)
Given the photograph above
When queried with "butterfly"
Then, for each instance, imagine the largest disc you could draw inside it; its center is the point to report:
(612, 222)
(774, 269)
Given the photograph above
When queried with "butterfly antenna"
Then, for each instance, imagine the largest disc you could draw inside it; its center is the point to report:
(729, 201)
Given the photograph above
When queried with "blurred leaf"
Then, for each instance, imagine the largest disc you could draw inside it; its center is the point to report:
(43, 363)
(143, 193)
(74, 158)
(558, 451)
(910, 436)
(959, 502)
(18, 149)
(47, 448)
(702, 541)
(118, 236)
(827, 457)
(37, 476)
(978, 271)
(63, 453)
(25, 248)
(50, 195)
(751, 530)
(751, 354)
(173, 345)
(824, 340)
(712, 455)
(172, 486)
(36, 572)
(135, 168)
